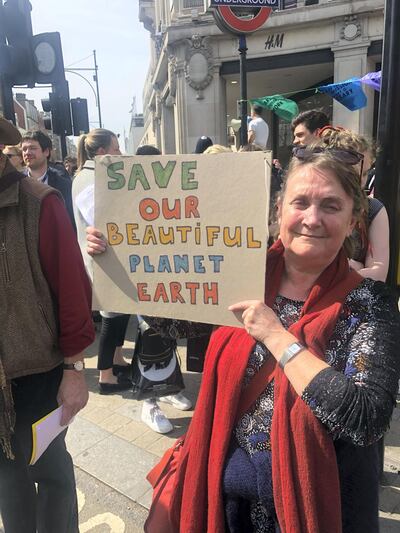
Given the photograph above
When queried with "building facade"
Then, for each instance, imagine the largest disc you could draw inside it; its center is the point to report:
(136, 130)
(193, 88)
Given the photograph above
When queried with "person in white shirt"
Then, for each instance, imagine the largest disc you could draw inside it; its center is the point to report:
(258, 130)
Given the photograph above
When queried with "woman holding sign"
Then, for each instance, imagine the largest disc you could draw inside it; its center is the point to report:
(291, 406)
(113, 325)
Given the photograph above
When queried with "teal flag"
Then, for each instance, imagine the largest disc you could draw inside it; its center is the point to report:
(283, 107)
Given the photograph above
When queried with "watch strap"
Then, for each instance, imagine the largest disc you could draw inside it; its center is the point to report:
(291, 351)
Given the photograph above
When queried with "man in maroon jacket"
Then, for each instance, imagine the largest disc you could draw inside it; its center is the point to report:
(46, 325)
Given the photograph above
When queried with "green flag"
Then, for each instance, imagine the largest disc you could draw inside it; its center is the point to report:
(283, 107)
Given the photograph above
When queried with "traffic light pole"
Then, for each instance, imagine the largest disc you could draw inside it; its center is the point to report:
(388, 163)
(63, 145)
(96, 76)
(7, 99)
(243, 89)
(96, 91)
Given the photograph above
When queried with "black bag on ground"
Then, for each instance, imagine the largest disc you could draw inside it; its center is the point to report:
(155, 366)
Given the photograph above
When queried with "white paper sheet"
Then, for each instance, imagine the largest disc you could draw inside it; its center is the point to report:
(44, 431)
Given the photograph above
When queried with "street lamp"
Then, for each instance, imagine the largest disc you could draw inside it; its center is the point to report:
(95, 78)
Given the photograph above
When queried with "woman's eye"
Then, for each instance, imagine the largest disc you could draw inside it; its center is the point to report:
(332, 208)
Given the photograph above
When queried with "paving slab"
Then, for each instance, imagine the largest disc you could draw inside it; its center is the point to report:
(131, 409)
(120, 464)
(389, 523)
(145, 499)
(83, 435)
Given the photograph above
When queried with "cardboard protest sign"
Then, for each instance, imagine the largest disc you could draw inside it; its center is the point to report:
(187, 235)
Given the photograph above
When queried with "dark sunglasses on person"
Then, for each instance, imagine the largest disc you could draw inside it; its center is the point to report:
(349, 157)
(11, 155)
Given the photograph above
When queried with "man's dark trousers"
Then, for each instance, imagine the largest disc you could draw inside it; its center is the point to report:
(53, 509)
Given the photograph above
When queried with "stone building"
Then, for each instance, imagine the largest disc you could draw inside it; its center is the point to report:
(192, 87)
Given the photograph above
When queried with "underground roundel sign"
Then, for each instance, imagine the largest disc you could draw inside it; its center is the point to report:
(242, 16)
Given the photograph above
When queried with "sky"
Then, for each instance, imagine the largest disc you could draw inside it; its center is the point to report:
(112, 28)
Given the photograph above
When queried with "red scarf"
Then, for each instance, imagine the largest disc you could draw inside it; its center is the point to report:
(304, 469)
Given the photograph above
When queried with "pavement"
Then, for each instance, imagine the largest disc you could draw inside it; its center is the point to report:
(113, 451)
(109, 442)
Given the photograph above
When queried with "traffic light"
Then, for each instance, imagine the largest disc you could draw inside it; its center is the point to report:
(26, 59)
(46, 106)
(47, 57)
(58, 105)
(80, 117)
(16, 58)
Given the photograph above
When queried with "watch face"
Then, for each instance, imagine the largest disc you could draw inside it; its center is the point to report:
(79, 365)
(45, 57)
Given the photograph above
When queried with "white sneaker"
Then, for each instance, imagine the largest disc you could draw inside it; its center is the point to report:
(177, 400)
(155, 418)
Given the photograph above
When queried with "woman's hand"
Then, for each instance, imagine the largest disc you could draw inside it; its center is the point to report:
(258, 319)
(96, 243)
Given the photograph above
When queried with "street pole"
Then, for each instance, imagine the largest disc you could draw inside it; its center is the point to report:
(243, 89)
(63, 144)
(7, 99)
(388, 162)
(96, 77)
(6, 94)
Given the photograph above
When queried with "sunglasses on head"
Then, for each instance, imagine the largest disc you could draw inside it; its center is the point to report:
(345, 156)
(349, 157)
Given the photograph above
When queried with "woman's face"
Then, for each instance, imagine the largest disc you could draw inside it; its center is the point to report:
(316, 215)
(112, 149)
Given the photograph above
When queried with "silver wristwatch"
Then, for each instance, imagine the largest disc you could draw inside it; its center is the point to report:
(78, 366)
(290, 352)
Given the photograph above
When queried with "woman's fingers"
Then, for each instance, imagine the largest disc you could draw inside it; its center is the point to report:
(94, 249)
(245, 304)
(91, 230)
(95, 241)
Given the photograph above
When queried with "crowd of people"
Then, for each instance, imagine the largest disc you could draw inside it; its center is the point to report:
(285, 439)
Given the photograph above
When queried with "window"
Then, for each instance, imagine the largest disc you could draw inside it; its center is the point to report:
(188, 4)
(287, 4)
